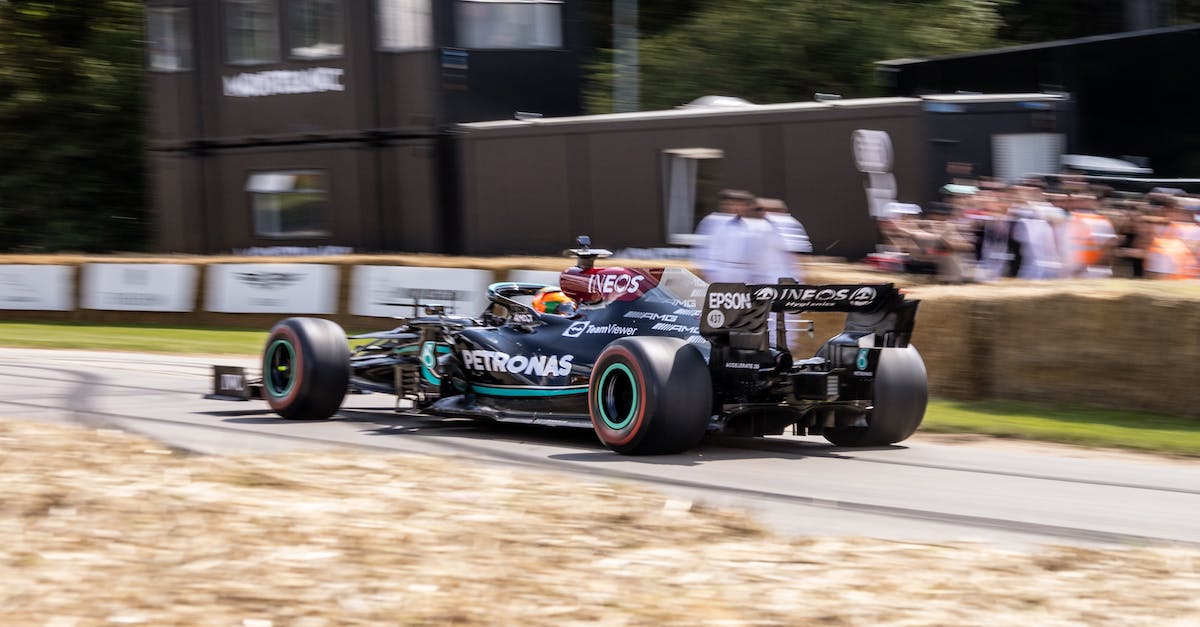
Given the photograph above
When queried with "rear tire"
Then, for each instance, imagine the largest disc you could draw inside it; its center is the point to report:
(900, 395)
(306, 368)
(650, 396)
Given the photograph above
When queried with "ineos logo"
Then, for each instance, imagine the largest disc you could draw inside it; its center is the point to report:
(862, 296)
(766, 293)
(826, 294)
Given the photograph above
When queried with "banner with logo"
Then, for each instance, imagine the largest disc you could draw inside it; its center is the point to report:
(283, 288)
(405, 292)
(37, 287)
(139, 286)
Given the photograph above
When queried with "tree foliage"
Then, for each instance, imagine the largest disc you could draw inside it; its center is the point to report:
(781, 51)
(1033, 21)
(71, 125)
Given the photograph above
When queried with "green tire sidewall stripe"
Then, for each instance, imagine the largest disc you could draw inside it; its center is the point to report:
(600, 400)
(268, 381)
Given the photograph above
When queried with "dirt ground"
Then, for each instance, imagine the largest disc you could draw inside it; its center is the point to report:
(103, 527)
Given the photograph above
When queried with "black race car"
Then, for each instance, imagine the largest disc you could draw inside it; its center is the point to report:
(652, 360)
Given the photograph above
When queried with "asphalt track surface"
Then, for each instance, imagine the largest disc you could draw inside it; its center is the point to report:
(919, 490)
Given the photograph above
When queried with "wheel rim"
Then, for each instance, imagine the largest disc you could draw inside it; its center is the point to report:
(279, 373)
(618, 396)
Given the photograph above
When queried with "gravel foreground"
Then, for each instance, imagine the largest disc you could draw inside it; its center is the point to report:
(103, 527)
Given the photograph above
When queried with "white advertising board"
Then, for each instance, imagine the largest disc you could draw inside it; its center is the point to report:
(404, 291)
(139, 286)
(547, 277)
(284, 288)
(37, 287)
(872, 150)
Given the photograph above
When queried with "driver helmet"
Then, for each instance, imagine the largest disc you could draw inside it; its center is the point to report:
(552, 300)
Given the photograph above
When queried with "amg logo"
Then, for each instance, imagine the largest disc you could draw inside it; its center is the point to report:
(534, 365)
(675, 328)
(725, 300)
(646, 315)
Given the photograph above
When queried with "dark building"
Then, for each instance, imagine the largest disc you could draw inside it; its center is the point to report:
(453, 126)
(1134, 93)
(645, 179)
(324, 122)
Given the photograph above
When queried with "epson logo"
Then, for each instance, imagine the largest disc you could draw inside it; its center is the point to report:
(862, 296)
(614, 283)
(766, 293)
(536, 365)
(726, 300)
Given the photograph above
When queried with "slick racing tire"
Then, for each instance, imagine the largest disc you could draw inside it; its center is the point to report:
(306, 368)
(901, 391)
(650, 396)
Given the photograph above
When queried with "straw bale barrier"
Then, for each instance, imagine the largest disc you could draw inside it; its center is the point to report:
(1123, 344)
(106, 528)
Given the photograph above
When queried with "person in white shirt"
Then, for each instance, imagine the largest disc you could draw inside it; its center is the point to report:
(1039, 246)
(729, 207)
(746, 248)
(795, 237)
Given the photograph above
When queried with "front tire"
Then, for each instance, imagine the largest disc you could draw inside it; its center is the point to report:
(650, 396)
(306, 368)
(901, 392)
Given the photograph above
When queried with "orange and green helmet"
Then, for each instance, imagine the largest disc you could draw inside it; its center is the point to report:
(552, 300)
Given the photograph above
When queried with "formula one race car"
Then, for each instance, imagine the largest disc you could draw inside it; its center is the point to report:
(652, 360)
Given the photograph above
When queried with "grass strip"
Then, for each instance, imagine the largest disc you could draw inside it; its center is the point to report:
(139, 338)
(1073, 425)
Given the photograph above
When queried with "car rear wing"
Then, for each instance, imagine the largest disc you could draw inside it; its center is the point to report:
(738, 314)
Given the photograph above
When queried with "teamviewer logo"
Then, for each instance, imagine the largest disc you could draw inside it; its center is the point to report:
(576, 329)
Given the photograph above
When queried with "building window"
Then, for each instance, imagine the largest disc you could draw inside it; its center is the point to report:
(252, 31)
(509, 24)
(169, 31)
(405, 25)
(315, 29)
(290, 203)
(690, 179)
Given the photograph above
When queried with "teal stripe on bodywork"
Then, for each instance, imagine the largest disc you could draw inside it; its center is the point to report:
(492, 390)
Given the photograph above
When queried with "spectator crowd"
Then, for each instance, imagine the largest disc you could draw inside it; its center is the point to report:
(1030, 230)
(983, 231)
